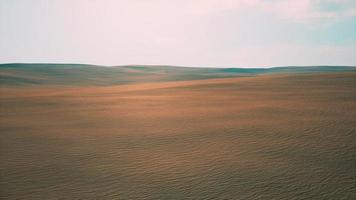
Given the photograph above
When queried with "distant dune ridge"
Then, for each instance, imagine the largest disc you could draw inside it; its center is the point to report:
(161, 132)
(94, 75)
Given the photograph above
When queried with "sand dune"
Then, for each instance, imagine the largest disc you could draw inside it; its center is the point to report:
(94, 75)
(279, 136)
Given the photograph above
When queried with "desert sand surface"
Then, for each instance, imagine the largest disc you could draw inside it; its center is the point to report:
(39, 74)
(270, 136)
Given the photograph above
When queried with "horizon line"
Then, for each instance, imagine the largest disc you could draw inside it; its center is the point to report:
(169, 65)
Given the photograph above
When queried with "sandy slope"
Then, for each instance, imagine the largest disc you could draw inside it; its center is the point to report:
(264, 137)
(17, 74)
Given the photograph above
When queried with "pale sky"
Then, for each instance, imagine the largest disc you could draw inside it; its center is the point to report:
(210, 33)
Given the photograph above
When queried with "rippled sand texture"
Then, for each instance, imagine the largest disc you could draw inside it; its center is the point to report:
(264, 137)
